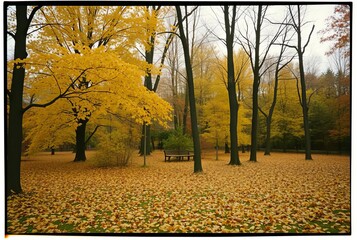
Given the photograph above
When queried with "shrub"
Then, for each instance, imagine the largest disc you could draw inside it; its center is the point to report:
(115, 148)
(178, 141)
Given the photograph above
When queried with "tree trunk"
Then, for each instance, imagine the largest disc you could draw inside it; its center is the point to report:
(148, 140)
(191, 95)
(174, 87)
(256, 81)
(231, 84)
(275, 95)
(304, 103)
(254, 131)
(14, 135)
(216, 147)
(185, 112)
(233, 116)
(267, 138)
(14, 140)
(152, 143)
(14, 145)
(149, 56)
(305, 111)
(81, 141)
(226, 148)
(174, 97)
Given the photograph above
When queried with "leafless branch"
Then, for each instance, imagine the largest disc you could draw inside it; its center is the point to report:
(308, 40)
(315, 91)
(35, 30)
(11, 34)
(163, 57)
(261, 110)
(91, 135)
(297, 87)
(32, 14)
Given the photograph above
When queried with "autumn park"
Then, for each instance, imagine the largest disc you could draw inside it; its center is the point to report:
(177, 120)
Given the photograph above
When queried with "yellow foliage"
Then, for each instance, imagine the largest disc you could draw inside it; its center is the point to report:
(216, 110)
(86, 60)
(287, 117)
(49, 127)
(216, 116)
(117, 142)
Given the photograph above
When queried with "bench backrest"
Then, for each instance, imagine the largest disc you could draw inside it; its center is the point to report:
(176, 152)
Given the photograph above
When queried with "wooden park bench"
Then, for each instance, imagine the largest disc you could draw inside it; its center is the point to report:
(178, 154)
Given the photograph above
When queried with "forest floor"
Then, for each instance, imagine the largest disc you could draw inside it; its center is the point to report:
(281, 193)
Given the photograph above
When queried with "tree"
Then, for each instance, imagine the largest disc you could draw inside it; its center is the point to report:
(175, 83)
(215, 112)
(342, 107)
(85, 29)
(203, 62)
(197, 53)
(116, 86)
(191, 92)
(232, 77)
(338, 30)
(321, 122)
(257, 53)
(281, 62)
(15, 98)
(216, 109)
(329, 113)
(287, 122)
(113, 28)
(231, 83)
(297, 24)
(154, 27)
(200, 53)
(97, 80)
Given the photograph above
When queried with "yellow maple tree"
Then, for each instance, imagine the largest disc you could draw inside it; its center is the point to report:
(86, 56)
(216, 110)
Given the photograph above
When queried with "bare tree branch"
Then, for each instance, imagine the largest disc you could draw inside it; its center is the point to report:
(308, 40)
(287, 45)
(11, 34)
(91, 135)
(315, 91)
(163, 57)
(32, 14)
(297, 84)
(262, 112)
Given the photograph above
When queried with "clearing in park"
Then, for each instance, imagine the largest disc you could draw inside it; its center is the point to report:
(282, 193)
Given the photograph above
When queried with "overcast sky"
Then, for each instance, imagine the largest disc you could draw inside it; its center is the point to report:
(315, 50)
(318, 14)
(315, 14)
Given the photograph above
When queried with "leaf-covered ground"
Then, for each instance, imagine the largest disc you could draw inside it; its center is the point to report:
(281, 193)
